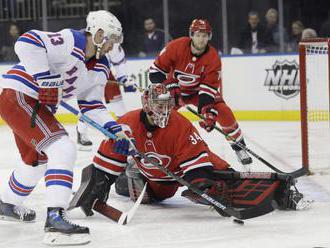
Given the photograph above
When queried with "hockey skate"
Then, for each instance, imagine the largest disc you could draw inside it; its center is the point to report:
(59, 230)
(297, 201)
(84, 143)
(12, 212)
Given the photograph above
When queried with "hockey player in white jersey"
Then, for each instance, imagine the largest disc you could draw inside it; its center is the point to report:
(112, 93)
(54, 67)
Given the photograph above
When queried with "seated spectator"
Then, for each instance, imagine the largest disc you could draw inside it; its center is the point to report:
(254, 38)
(273, 29)
(308, 33)
(7, 51)
(154, 39)
(296, 31)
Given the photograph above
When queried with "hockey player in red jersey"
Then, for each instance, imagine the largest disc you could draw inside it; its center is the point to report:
(163, 135)
(191, 70)
(169, 139)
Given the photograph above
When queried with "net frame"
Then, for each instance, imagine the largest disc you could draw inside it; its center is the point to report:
(303, 45)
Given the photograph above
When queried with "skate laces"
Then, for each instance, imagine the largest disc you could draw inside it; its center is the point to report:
(66, 218)
(22, 211)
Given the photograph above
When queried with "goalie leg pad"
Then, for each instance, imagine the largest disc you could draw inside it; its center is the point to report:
(136, 183)
(121, 185)
(95, 185)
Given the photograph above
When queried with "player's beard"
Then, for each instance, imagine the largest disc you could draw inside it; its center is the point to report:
(200, 48)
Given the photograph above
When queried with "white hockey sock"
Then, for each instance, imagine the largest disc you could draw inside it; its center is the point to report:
(117, 107)
(59, 175)
(82, 127)
(21, 183)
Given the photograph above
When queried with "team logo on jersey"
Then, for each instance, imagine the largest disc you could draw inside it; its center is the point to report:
(283, 80)
(186, 79)
(162, 160)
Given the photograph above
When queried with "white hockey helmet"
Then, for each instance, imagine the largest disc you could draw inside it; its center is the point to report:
(107, 22)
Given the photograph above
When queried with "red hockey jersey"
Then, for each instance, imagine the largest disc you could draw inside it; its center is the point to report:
(177, 147)
(196, 74)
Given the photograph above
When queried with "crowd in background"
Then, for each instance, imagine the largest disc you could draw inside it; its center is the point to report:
(260, 34)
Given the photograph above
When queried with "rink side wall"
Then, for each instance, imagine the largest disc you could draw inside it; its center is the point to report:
(262, 87)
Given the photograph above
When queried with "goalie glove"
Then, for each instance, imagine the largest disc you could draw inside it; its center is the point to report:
(210, 115)
(128, 83)
(50, 89)
(125, 143)
(173, 86)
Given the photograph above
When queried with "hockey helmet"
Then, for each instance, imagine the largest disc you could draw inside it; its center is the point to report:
(158, 103)
(107, 22)
(200, 25)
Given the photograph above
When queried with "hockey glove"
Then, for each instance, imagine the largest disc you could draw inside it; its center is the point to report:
(210, 116)
(173, 86)
(50, 89)
(128, 83)
(125, 143)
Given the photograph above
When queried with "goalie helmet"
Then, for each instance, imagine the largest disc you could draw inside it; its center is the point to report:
(200, 25)
(107, 22)
(158, 103)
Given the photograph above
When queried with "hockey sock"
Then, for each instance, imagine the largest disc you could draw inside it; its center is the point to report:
(82, 127)
(59, 175)
(21, 183)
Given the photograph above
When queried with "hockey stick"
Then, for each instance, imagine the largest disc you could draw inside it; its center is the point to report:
(297, 173)
(118, 216)
(220, 206)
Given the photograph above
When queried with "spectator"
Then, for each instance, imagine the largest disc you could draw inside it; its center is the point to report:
(296, 31)
(7, 52)
(308, 33)
(154, 39)
(254, 38)
(273, 30)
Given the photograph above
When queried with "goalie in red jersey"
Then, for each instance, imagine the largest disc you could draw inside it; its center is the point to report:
(191, 69)
(169, 139)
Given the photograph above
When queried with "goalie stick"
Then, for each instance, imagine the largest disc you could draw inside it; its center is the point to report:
(116, 215)
(297, 173)
(218, 204)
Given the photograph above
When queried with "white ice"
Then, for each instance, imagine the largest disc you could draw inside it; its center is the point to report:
(177, 222)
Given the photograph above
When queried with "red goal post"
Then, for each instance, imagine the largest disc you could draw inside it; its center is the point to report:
(314, 70)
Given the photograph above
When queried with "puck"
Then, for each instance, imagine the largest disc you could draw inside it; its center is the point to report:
(237, 221)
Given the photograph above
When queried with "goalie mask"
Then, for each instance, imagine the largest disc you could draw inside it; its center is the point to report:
(158, 103)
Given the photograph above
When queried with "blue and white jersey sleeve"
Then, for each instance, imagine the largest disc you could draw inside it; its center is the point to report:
(90, 101)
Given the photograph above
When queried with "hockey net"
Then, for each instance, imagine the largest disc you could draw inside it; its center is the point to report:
(314, 104)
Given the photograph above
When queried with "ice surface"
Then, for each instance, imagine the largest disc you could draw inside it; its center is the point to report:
(179, 223)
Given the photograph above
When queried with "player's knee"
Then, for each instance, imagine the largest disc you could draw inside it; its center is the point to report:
(63, 151)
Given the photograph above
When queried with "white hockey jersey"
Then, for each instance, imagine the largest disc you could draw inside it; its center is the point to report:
(43, 53)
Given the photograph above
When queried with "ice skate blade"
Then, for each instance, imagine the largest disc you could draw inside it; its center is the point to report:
(57, 239)
(12, 219)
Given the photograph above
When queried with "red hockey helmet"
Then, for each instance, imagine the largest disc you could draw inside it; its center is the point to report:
(200, 25)
(158, 103)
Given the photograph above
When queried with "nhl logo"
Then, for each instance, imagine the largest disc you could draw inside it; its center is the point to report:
(282, 79)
